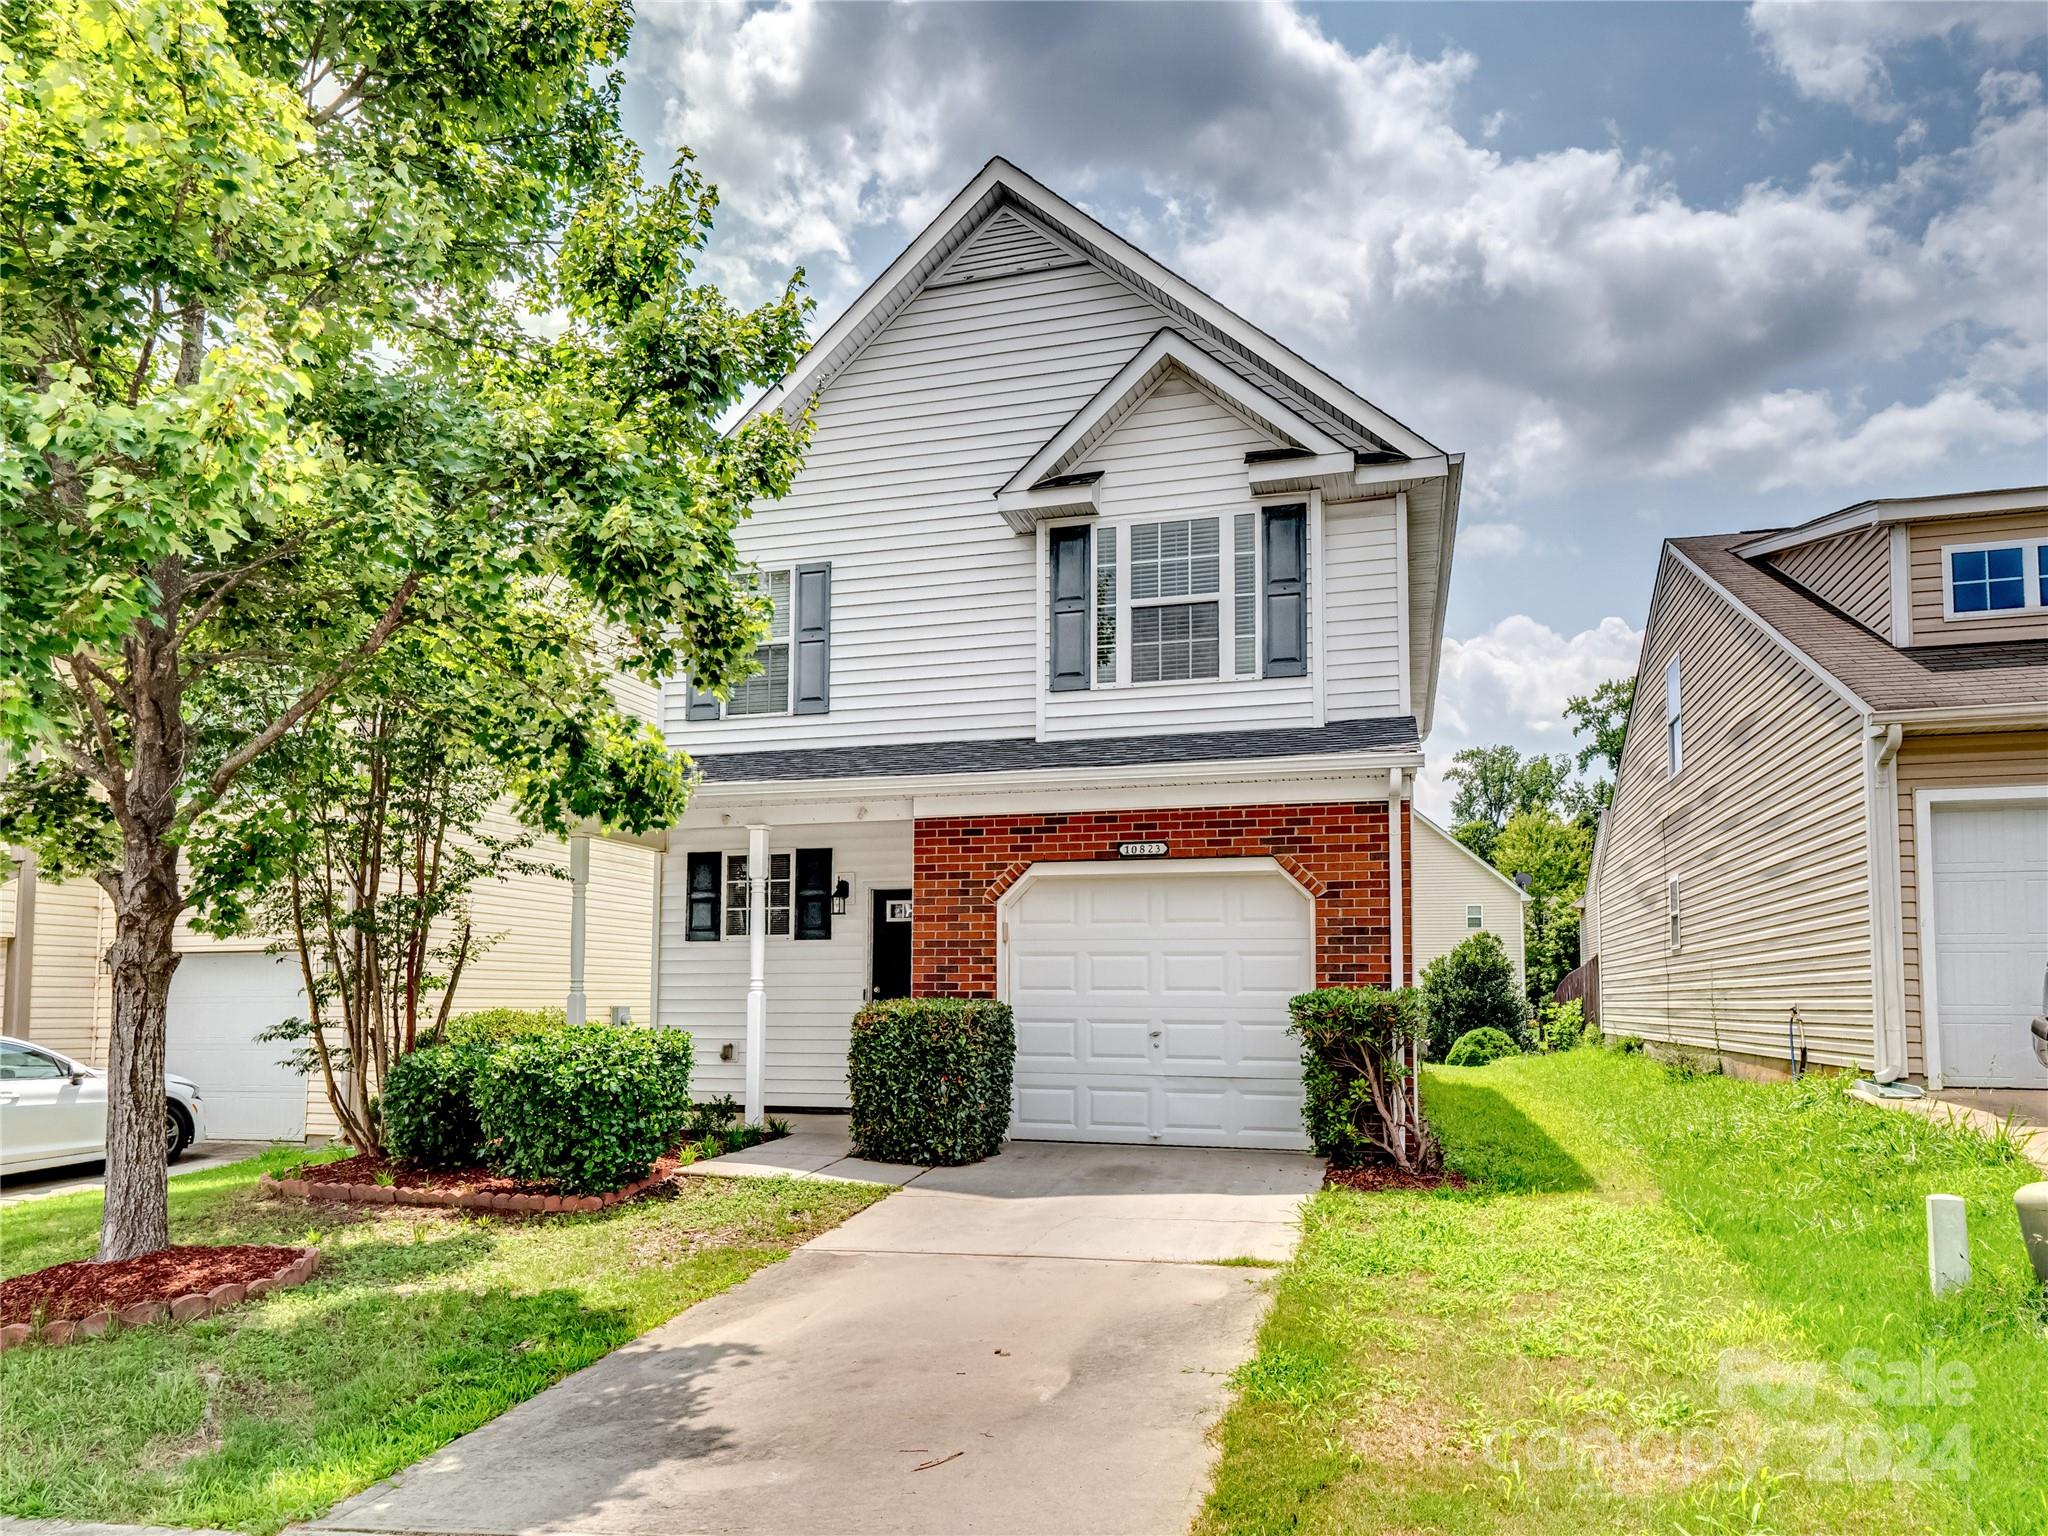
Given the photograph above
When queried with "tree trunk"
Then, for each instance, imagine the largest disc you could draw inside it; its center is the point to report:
(145, 891)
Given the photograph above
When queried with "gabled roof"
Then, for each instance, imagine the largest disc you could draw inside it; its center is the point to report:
(1041, 487)
(1895, 509)
(1868, 670)
(1345, 414)
(1451, 839)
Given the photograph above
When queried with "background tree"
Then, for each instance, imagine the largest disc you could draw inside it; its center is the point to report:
(1491, 784)
(268, 398)
(1602, 715)
(1555, 855)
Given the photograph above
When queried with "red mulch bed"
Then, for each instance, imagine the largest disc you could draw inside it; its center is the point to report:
(369, 1168)
(77, 1290)
(1375, 1177)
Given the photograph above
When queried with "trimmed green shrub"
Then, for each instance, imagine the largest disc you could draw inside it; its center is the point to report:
(428, 1110)
(1358, 1099)
(930, 1079)
(585, 1109)
(494, 1026)
(1560, 1026)
(1477, 1047)
(1473, 987)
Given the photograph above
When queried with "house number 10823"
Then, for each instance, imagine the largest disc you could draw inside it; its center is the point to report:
(1141, 850)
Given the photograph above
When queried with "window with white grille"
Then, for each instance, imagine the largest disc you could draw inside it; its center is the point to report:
(739, 898)
(767, 691)
(1176, 576)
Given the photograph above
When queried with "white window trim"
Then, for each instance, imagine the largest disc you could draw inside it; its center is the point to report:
(1924, 803)
(1674, 717)
(1475, 910)
(788, 642)
(1226, 674)
(2033, 568)
(1674, 918)
(726, 907)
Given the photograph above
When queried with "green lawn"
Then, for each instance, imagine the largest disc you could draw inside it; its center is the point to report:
(420, 1325)
(1665, 1304)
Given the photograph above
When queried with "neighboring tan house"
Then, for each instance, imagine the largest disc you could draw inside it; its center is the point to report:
(1106, 631)
(1834, 796)
(1461, 894)
(57, 991)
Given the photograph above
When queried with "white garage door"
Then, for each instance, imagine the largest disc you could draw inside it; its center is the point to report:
(1152, 1006)
(1990, 902)
(219, 1001)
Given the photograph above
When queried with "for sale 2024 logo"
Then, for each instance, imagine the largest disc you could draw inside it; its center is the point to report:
(1851, 1422)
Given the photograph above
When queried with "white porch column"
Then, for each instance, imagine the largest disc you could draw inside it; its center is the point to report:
(1396, 948)
(579, 893)
(757, 968)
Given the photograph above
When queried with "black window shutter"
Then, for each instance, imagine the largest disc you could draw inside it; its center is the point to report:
(700, 706)
(813, 893)
(1285, 630)
(813, 691)
(1067, 625)
(701, 919)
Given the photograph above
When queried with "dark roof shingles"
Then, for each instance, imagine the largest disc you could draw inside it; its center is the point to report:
(1394, 733)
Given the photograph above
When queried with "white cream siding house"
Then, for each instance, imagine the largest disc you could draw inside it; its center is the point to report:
(1466, 895)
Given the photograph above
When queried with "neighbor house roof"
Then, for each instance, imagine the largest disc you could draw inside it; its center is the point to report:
(1892, 509)
(911, 759)
(1879, 675)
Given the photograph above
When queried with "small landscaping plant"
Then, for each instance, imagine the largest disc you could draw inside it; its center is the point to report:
(714, 1128)
(1356, 1047)
(495, 1026)
(1477, 1047)
(1473, 987)
(1560, 1026)
(586, 1109)
(930, 1079)
(428, 1112)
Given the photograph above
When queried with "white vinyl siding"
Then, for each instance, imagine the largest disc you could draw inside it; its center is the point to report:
(1361, 569)
(1764, 832)
(1852, 571)
(1448, 881)
(814, 986)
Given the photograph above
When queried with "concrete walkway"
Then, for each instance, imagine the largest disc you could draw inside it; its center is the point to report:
(1036, 1344)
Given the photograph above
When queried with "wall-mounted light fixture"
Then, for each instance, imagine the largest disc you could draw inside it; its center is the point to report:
(840, 894)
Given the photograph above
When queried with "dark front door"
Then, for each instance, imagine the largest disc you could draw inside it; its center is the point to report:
(889, 969)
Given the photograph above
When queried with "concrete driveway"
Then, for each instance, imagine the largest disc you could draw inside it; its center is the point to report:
(199, 1157)
(1037, 1344)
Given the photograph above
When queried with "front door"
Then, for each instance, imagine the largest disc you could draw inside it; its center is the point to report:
(889, 967)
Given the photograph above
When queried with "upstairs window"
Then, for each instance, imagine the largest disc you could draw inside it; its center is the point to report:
(767, 691)
(1674, 744)
(1990, 579)
(1475, 916)
(1174, 640)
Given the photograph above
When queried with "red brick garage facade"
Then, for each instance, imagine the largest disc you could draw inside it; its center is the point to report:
(1336, 852)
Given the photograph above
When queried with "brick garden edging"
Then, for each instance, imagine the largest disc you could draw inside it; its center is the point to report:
(451, 1199)
(173, 1309)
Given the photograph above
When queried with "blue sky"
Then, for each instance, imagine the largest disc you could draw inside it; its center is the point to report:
(1655, 269)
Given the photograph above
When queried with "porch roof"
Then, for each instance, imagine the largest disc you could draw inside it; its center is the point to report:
(1391, 733)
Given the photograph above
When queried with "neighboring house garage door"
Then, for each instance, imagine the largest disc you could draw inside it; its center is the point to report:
(1990, 941)
(1151, 1004)
(219, 1001)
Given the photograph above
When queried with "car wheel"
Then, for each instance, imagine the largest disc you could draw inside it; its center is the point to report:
(177, 1131)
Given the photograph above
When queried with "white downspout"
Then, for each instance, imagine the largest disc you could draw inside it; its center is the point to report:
(579, 916)
(654, 943)
(1397, 969)
(1888, 1043)
(757, 969)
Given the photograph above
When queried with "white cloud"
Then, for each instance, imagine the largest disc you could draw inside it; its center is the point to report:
(1491, 125)
(1564, 316)
(1835, 52)
(1489, 539)
(1510, 684)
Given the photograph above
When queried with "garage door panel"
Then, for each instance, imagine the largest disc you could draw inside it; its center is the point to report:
(1174, 1026)
(219, 1002)
(1989, 905)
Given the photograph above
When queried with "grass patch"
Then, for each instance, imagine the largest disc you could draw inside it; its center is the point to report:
(1663, 1304)
(420, 1325)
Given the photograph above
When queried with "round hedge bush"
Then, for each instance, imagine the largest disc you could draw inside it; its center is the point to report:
(1477, 1047)
(428, 1109)
(585, 1109)
(930, 1079)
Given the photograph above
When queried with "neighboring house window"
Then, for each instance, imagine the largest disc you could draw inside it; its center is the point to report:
(1475, 916)
(739, 900)
(767, 691)
(1672, 734)
(1987, 578)
(1173, 639)
(1671, 911)
(2041, 566)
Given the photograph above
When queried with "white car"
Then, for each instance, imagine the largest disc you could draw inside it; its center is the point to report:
(53, 1110)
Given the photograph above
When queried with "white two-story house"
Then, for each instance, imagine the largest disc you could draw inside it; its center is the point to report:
(1105, 633)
